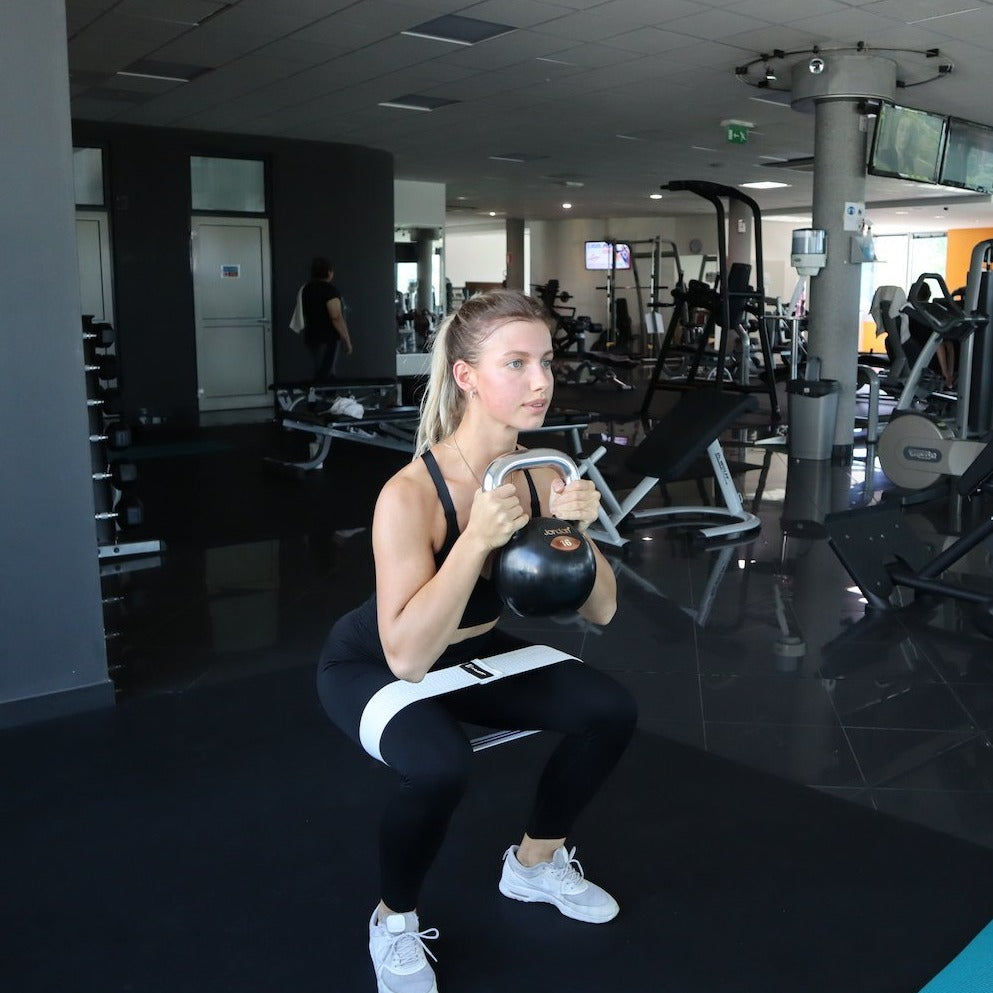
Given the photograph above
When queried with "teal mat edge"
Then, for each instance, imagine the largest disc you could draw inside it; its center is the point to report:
(971, 971)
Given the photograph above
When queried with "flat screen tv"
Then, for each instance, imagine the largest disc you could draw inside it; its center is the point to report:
(598, 255)
(968, 161)
(907, 144)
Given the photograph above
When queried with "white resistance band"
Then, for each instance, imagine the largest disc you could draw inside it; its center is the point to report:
(386, 703)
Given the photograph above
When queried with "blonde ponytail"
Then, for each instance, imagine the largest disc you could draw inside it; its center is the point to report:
(441, 396)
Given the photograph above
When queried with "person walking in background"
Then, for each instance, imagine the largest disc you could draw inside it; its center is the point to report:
(323, 319)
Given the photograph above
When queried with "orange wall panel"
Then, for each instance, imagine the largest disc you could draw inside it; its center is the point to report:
(960, 246)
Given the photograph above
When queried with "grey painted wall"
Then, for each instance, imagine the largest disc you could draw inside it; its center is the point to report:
(52, 655)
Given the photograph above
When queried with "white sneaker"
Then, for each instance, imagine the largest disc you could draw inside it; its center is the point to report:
(559, 882)
(397, 949)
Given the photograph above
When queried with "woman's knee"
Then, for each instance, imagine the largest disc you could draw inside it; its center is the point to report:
(612, 711)
(438, 767)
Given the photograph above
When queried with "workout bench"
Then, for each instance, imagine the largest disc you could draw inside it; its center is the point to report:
(689, 430)
(392, 427)
(395, 428)
(293, 397)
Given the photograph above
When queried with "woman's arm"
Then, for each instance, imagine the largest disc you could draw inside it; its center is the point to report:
(601, 604)
(419, 609)
(580, 502)
(337, 317)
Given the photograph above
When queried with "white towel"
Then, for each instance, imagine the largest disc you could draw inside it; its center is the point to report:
(296, 321)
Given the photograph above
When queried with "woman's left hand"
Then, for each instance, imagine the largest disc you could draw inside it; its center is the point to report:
(578, 501)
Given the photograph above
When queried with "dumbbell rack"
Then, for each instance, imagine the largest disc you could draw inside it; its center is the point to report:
(117, 508)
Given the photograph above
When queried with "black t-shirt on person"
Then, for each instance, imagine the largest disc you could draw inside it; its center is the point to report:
(317, 322)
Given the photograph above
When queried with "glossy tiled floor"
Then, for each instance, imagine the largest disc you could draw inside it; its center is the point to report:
(760, 652)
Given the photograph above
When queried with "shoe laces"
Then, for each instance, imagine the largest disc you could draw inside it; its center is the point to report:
(569, 872)
(408, 947)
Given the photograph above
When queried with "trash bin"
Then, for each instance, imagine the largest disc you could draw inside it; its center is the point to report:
(812, 406)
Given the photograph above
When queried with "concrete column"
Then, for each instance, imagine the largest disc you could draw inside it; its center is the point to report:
(741, 235)
(52, 654)
(833, 332)
(515, 253)
(832, 85)
(424, 237)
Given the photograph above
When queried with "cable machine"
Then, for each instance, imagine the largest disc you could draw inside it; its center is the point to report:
(731, 296)
(611, 337)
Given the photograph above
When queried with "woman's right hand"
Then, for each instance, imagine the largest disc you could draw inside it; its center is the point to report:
(496, 515)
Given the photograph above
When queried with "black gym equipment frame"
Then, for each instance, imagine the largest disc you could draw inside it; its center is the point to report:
(881, 552)
(722, 302)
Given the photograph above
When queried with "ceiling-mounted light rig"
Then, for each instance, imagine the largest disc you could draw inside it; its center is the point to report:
(772, 70)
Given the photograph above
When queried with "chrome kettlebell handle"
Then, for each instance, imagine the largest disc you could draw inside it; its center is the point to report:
(503, 465)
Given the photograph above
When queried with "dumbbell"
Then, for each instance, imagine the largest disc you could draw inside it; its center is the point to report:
(120, 474)
(128, 512)
(99, 334)
(116, 436)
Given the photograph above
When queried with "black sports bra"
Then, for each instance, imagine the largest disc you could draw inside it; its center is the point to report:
(484, 605)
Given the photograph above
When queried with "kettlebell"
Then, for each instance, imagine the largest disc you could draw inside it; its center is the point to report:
(548, 566)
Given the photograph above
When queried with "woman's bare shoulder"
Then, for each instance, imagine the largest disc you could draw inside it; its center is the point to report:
(407, 495)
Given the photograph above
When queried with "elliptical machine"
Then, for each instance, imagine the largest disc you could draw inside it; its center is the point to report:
(915, 450)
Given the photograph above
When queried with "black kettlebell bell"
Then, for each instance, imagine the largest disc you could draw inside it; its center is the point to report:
(547, 567)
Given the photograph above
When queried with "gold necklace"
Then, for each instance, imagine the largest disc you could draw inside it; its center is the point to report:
(466, 461)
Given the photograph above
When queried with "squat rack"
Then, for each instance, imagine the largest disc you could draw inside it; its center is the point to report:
(725, 300)
(656, 255)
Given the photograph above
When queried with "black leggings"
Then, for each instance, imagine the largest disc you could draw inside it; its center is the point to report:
(428, 748)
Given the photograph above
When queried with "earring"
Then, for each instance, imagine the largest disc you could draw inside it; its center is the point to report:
(473, 394)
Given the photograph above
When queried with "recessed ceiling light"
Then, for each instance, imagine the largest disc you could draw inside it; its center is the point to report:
(654, 196)
(516, 157)
(168, 72)
(492, 213)
(151, 75)
(951, 13)
(458, 30)
(781, 99)
(567, 206)
(766, 184)
(412, 101)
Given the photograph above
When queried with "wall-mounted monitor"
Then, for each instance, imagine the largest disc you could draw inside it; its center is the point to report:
(968, 161)
(907, 144)
(598, 255)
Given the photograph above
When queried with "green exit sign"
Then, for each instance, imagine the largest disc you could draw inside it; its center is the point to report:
(737, 134)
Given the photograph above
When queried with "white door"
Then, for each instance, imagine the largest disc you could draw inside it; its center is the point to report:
(93, 255)
(231, 279)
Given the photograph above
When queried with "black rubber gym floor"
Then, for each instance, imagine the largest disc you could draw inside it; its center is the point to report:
(224, 840)
(808, 803)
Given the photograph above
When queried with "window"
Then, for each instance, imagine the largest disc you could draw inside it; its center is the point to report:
(231, 185)
(901, 259)
(87, 174)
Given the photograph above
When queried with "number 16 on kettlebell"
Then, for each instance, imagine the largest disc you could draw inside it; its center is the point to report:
(548, 567)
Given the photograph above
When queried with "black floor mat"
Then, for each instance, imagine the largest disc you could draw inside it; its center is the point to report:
(224, 839)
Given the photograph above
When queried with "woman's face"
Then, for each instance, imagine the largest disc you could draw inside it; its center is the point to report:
(513, 377)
